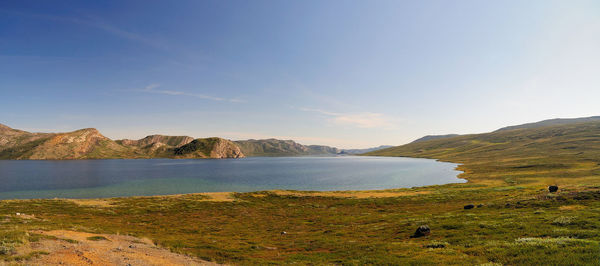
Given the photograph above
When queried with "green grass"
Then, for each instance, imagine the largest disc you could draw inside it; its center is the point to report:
(525, 228)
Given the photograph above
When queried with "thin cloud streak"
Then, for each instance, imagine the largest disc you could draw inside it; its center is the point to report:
(97, 23)
(152, 88)
(360, 120)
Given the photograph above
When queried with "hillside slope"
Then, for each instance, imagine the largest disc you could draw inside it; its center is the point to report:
(553, 122)
(431, 137)
(81, 144)
(568, 150)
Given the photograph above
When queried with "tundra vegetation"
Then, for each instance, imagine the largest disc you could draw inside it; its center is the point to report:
(516, 220)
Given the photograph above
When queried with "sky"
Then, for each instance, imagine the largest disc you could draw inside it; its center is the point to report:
(349, 74)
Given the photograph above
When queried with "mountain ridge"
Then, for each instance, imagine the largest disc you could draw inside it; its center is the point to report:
(89, 143)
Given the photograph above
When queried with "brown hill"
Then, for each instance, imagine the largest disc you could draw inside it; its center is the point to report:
(209, 148)
(90, 144)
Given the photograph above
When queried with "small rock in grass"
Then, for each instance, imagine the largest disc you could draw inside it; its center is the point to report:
(422, 230)
(469, 206)
(553, 188)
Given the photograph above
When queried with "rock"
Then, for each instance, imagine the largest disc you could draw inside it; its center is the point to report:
(469, 206)
(480, 205)
(422, 230)
(553, 188)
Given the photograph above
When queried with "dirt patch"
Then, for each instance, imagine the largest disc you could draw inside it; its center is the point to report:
(351, 194)
(103, 203)
(571, 207)
(218, 196)
(208, 196)
(77, 248)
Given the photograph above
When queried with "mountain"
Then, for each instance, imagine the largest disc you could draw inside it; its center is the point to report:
(430, 137)
(275, 147)
(90, 144)
(553, 122)
(361, 151)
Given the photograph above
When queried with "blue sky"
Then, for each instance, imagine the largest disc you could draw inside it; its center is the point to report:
(349, 74)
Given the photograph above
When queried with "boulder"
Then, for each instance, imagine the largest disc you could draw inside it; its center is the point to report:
(422, 230)
(469, 206)
(553, 188)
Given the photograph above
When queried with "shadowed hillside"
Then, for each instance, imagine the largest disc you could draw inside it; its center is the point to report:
(275, 147)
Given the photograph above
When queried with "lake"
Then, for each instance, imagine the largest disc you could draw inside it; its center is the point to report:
(118, 178)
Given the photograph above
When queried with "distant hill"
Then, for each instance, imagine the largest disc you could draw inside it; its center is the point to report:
(90, 144)
(276, 147)
(430, 137)
(361, 151)
(553, 122)
(535, 145)
(550, 154)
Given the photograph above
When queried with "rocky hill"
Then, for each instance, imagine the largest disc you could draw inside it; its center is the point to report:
(90, 144)
(157, 146)
(209, 148)
(81, 144)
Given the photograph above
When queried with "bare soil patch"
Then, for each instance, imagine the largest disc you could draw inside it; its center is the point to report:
(79, 248)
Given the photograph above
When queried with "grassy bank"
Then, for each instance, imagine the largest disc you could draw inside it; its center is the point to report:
(515, 221)
(516, 224)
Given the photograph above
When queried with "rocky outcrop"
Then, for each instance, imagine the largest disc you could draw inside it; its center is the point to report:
(152, 140)
(209, 148)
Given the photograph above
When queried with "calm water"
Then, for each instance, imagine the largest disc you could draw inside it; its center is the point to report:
(115, 178)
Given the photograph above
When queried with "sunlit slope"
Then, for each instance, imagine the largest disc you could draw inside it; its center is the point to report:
(550, 152)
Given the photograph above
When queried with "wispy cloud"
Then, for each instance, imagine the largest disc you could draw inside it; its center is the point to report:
(360, 120)
(95, 22)
(154, 88)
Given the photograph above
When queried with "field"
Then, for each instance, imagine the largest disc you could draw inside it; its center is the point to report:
(515, 219)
